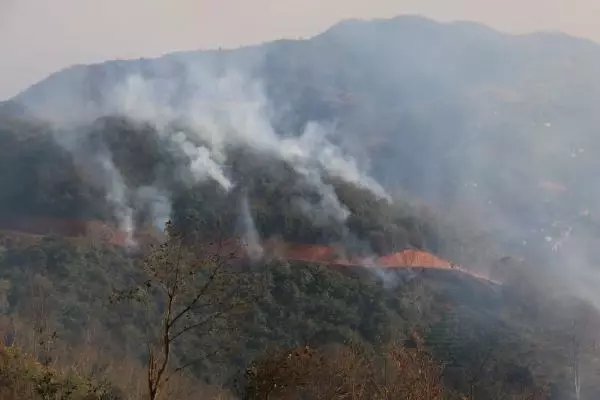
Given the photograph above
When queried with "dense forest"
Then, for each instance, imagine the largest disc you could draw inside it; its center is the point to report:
(72, 308)
(53, 184)
(63, 306)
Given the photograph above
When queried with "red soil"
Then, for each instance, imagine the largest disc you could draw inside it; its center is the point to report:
(332, 255)
(415, 258)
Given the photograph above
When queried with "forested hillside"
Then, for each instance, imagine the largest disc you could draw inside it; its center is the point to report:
(128, 190)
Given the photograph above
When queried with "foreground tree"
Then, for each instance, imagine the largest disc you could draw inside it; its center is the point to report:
(189, 291)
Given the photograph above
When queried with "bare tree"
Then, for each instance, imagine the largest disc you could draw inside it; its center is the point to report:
(197, 292)
(583, 337)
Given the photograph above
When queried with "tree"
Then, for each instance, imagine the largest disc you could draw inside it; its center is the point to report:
(189, 291)
(346, 372)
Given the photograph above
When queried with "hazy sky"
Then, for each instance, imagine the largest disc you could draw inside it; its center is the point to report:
(38, 37)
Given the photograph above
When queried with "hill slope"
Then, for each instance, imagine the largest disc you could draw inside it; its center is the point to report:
(470, 119)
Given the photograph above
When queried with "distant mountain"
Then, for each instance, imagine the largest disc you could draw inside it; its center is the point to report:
(498, 128)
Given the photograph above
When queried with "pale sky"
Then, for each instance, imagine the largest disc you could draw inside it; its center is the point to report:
(38, 37)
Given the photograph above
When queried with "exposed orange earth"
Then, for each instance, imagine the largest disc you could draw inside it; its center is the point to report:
(35, 228)
(333, 255)
(414, 258)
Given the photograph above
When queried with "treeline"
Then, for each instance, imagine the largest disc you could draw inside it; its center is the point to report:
(40, 178)
(62, 301)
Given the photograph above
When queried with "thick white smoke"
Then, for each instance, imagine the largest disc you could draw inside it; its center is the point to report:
(231, 109)
(251, 236)
(203, 164)
(313, 147)
(328, 210)
(218, 110)
(116, 195)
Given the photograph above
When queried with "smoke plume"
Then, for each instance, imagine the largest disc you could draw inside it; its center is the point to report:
(116, 195)
(218, 111)
(158, 203)
(251, 236)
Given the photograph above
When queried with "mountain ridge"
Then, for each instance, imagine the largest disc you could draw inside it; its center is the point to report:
(402, 22)
(441, 92)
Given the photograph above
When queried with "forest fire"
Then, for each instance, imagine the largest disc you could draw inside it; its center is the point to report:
(101, 232)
